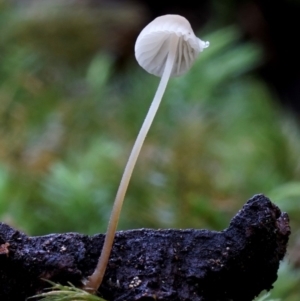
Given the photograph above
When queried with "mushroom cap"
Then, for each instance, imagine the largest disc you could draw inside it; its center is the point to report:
(152, 45)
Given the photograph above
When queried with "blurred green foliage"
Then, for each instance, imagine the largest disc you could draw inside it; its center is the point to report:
(68, 121)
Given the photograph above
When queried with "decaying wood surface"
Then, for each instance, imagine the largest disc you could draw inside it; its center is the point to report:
(192, 265)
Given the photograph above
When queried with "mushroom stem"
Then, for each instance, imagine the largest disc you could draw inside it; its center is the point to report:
(95, 280)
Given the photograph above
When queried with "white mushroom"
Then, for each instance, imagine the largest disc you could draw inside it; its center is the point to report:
(165, 47)
(169, 35)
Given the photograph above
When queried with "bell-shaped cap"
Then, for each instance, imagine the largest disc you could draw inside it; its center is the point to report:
(152, 45)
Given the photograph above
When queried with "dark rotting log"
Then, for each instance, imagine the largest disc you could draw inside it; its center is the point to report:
(196, 265)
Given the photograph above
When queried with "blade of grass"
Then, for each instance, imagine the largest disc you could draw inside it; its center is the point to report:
(69, 292)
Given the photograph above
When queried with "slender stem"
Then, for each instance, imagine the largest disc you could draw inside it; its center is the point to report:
(95, 280)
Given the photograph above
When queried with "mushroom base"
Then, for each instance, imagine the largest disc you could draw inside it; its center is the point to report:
(192, 265)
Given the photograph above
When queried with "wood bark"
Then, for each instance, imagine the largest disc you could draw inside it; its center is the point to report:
(192, 265)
